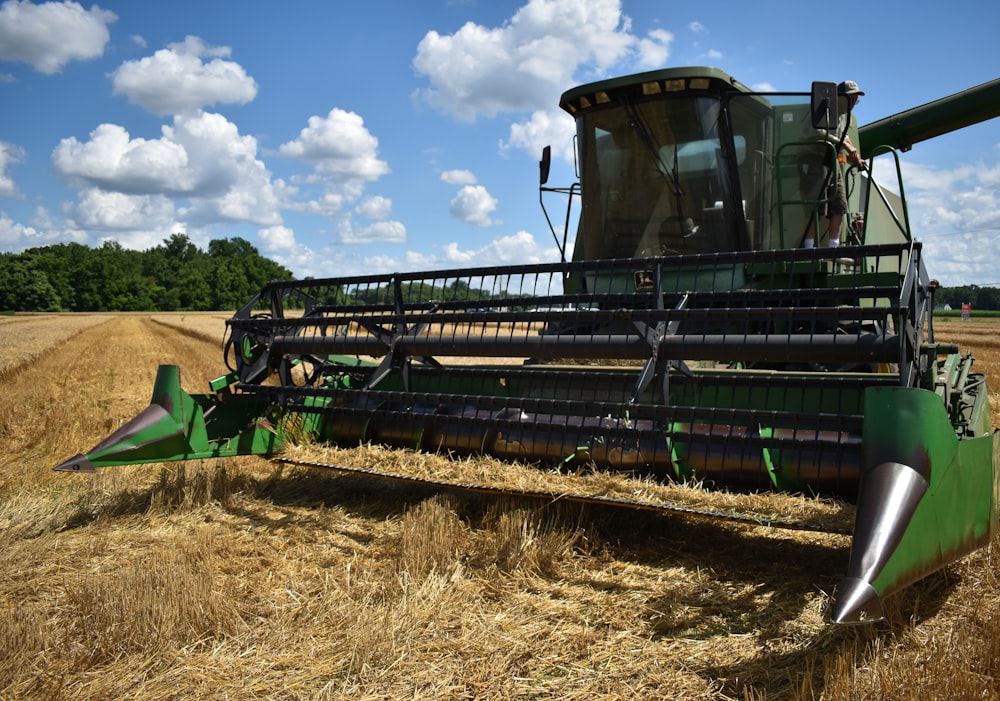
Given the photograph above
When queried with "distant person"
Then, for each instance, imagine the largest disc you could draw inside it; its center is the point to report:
(826, 180)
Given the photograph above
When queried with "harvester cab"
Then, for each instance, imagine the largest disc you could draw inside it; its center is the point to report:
(688, 336)
(690, 161)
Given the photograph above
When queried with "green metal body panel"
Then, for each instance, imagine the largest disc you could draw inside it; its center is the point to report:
(694, 280)
(173, 427)
(929, 498)
(903, 130)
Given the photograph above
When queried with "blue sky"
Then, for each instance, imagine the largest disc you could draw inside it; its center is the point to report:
(396, 135)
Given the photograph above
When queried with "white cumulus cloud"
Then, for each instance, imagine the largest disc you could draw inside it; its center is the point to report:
(279, 244)
(232, 182)
(474, 204)
(13, 234)
(178, 79)
(458, 177)
(516, 249)
(112, 160)
(201, 163)
(277, 239)
(524, 64)
(116, 211)
(654, 49)
(376, 208)
(963, 199)
(9, 153)
(343, 155)
(377, 232)
(50, 35)
(955, 212)
(543, 128)
(338, 145)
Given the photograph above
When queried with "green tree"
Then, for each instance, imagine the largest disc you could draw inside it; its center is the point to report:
(24, 286)
(239, 272)
(176, 275)
(985, 298)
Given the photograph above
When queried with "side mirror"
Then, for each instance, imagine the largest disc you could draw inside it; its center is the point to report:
(544, 164)
(823, 105)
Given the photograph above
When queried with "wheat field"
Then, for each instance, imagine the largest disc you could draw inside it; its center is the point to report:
(252, 580)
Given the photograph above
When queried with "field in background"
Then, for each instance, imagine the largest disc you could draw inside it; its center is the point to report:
(234, 578)
(23, 338)
(210, 326)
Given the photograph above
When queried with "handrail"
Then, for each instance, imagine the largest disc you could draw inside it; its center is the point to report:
(782, 203)
(904, 227)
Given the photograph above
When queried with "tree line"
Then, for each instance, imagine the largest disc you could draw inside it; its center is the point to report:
(179, 276)
(982, 298)
(174, 276)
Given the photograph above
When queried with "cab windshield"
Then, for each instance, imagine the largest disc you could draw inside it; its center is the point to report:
(657, 179)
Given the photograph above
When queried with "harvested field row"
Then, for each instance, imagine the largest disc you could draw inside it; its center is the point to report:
(982, 337)
(69, 398)
(978, 334)
(24, 338)
(209, 326)
(780, 507)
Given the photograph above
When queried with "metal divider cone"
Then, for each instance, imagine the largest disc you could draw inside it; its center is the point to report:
(926, 499)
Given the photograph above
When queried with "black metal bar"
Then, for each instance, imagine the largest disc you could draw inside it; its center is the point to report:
(734, 347)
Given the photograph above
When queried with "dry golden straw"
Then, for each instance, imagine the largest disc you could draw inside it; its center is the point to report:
(244, 579)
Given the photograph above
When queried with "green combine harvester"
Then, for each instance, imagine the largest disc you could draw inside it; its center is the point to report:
(689, 335)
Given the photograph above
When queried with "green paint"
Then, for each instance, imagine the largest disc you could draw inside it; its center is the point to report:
(958, 511)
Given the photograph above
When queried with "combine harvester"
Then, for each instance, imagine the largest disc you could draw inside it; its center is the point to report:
(689, 336)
